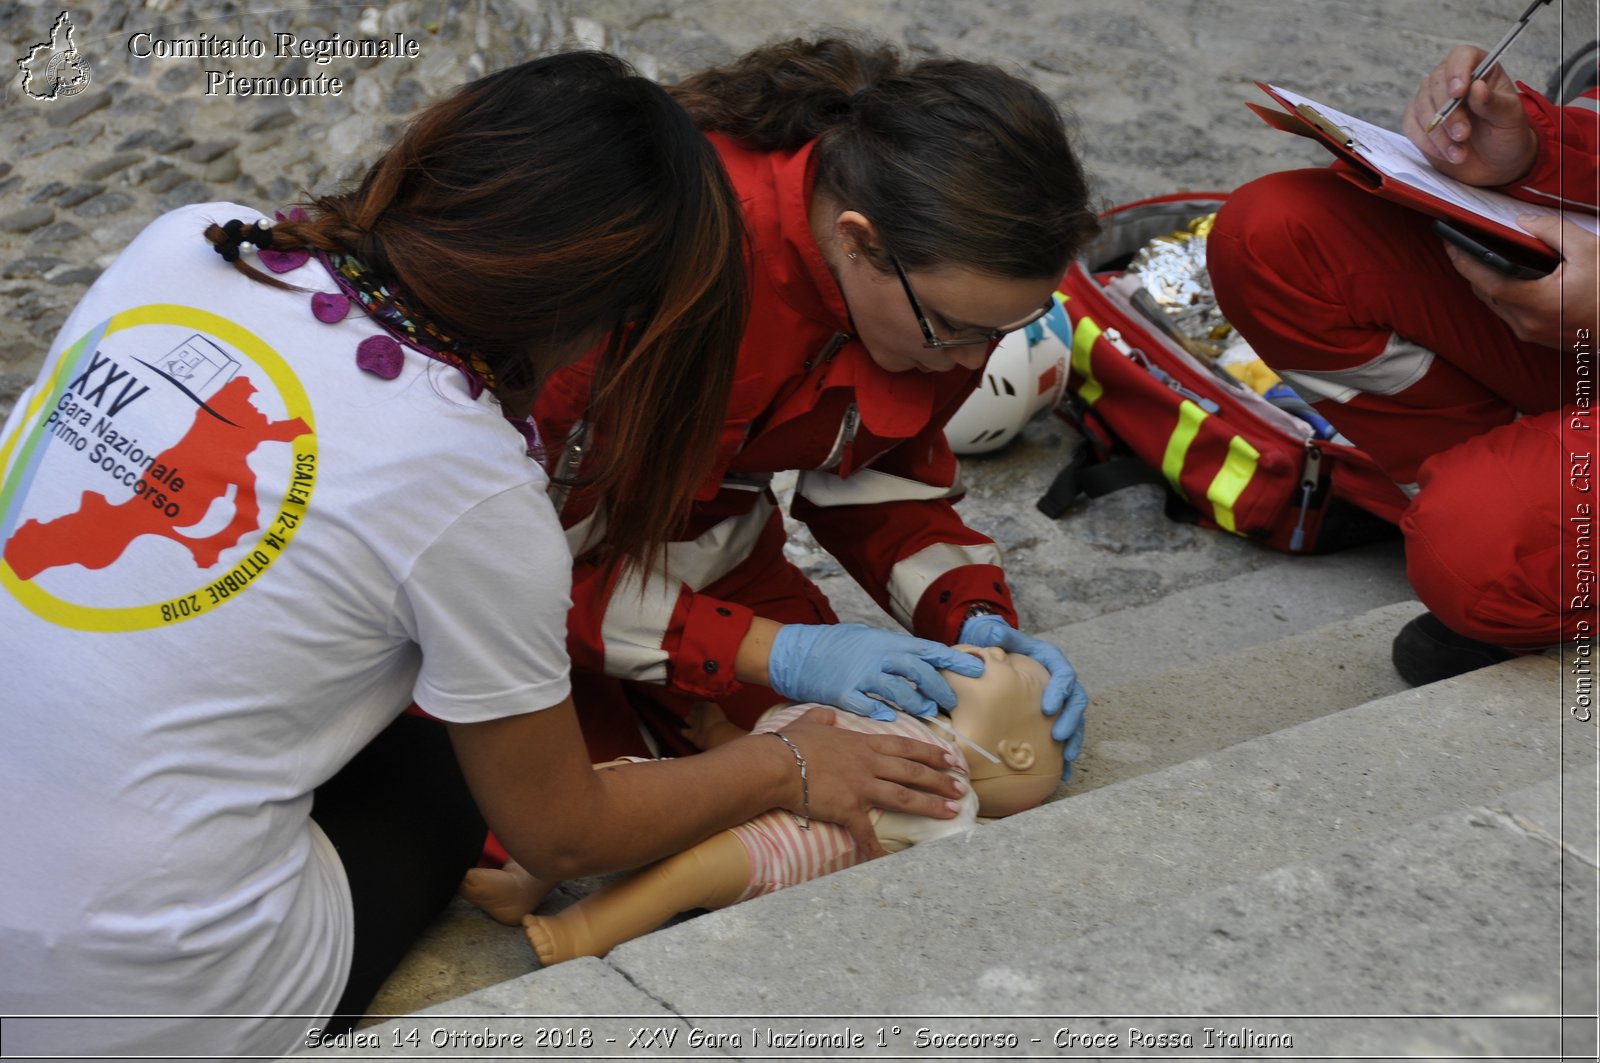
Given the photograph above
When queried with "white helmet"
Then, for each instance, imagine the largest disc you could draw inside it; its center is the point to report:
(1025, 374)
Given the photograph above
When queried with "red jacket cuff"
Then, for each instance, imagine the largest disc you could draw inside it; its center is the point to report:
(1545, 119)
(944, 604)
(702, 642)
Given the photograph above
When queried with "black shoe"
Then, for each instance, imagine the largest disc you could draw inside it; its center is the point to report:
(1425, 651)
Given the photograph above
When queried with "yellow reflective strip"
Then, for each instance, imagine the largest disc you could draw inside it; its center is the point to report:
(1234, 476)
(1189, 418)
(1083, 337)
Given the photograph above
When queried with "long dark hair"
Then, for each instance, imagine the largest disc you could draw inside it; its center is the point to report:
(562, 199)
(956, 163)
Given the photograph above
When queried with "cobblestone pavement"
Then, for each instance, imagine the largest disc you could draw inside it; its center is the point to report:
(1156, 87)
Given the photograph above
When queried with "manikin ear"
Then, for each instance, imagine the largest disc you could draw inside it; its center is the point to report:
(1018, 756)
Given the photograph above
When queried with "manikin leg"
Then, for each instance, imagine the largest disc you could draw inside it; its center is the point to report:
(505, 895)
(713, 874)
(512, 892)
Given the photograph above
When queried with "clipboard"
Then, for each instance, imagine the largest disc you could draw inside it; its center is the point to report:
(1388, 165)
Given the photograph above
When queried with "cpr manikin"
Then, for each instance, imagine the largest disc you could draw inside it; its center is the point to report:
(996, 714)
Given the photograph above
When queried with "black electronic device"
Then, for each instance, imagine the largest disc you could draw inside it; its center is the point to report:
(1512, 261)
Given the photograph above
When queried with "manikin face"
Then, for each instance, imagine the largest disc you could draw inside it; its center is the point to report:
(1000, 711)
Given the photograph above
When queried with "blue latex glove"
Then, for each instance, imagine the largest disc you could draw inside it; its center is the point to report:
(1063, 698)
(853, 666)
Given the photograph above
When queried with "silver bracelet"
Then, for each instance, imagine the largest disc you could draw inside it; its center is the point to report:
(805, 783)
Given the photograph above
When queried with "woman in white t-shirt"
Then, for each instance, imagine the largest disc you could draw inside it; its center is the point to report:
(255, 504)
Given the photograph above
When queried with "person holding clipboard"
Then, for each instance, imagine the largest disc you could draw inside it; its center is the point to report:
(1460, 378)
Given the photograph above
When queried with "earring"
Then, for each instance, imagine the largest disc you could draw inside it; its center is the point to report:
(852, 255)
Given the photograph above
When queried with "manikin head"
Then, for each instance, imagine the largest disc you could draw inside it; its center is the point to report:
(1000, 711)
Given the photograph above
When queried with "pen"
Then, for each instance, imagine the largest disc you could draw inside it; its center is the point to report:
(1483, 68)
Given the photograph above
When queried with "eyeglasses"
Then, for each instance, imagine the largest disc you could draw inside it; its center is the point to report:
(931, 340)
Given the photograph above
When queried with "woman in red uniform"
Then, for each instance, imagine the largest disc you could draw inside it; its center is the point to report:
(902, 217)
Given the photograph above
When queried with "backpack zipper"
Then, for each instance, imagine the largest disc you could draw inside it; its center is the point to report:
(1310, 477)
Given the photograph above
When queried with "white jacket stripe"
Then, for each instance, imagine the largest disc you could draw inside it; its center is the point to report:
(866, 486)
(641, 605)
(912, 576)
(1565, 201)
(1400, 365)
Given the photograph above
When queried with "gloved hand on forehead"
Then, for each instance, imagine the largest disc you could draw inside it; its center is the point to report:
(1063, 697)
(865, 670)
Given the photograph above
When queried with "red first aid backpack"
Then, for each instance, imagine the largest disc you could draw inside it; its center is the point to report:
(1151, 411)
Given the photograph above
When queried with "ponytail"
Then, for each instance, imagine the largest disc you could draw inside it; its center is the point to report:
(781, 97)
(956, 163)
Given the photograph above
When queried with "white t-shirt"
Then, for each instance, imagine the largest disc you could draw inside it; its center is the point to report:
(231, 557)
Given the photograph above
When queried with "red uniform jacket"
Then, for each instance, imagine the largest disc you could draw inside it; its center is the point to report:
(1567, 169)
(878, 484)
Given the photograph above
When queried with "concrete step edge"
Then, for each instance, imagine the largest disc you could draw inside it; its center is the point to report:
(1187, 627)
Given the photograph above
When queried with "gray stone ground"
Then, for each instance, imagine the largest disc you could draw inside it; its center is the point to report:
(1156, 90)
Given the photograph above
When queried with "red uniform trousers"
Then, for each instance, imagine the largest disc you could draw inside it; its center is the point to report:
(1328, 282)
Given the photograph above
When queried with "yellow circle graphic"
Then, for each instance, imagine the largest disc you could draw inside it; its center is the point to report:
(278, 529)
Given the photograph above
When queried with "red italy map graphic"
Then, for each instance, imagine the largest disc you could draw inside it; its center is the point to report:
(212, 457)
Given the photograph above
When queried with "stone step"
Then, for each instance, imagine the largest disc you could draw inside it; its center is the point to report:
(1288, 596)
(1180, 606)
(1217, 700)
(949, 911)
(1481, 917)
